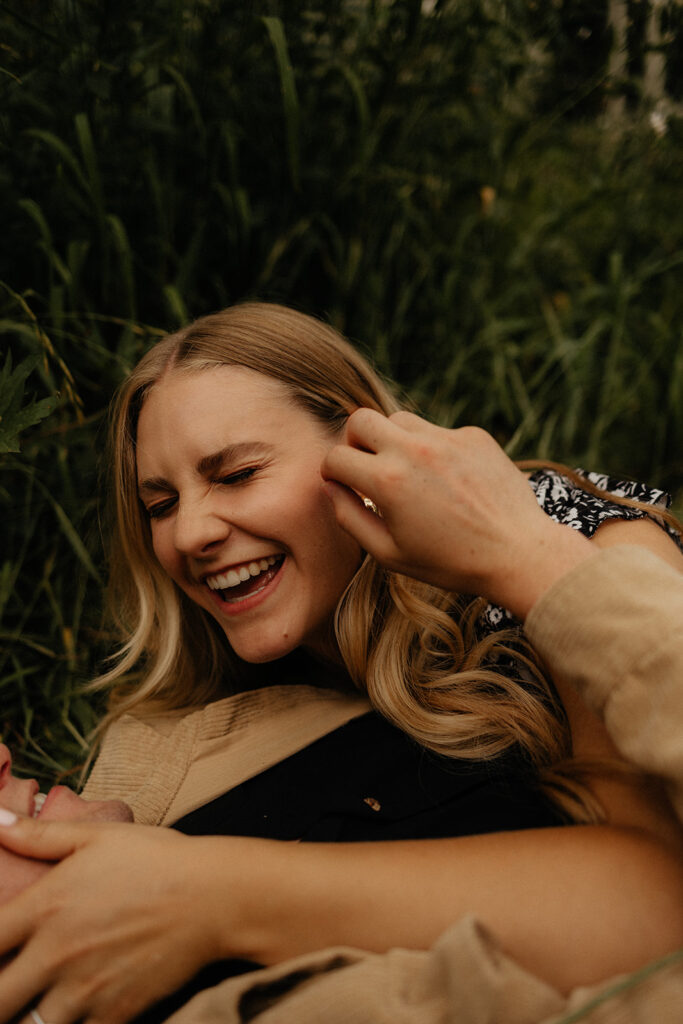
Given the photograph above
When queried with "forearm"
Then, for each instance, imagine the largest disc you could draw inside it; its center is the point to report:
(573, 905)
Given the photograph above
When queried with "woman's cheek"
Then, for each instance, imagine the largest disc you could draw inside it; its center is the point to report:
(165, 553)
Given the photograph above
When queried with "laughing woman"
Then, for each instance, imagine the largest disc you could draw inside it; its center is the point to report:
(300, 661)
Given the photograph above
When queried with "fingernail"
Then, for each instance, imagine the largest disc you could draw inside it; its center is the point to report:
(7, 817)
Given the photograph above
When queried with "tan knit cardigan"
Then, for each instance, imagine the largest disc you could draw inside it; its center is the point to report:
(168, 765)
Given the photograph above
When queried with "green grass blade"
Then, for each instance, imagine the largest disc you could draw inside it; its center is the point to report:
(290, 99)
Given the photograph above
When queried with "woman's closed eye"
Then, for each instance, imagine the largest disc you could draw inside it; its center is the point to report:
(162, 508)
(239, 477)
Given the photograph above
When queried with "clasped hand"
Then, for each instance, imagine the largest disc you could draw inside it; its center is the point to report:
(116, 925)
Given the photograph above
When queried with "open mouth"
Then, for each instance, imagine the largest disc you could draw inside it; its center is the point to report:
(238, 584)
(38, 802)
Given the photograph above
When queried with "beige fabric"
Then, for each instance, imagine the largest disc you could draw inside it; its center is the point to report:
(167, 766)
(615, 626)
(464, 979)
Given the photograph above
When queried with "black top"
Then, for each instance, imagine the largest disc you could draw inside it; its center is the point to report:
(368, 781)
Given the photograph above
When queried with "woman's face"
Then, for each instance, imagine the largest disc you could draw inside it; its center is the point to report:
(60, 804)
(229, 472)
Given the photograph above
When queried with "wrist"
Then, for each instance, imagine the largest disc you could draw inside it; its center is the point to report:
(283, 899)
(535, 570)
(240, 882)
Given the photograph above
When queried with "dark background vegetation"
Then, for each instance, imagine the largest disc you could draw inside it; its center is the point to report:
(452, 184)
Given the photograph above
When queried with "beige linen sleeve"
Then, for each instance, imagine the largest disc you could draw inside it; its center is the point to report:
(613, 626)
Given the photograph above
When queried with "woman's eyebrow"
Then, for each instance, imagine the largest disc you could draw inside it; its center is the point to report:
(153, 484)
(231, 453)
(209, 464)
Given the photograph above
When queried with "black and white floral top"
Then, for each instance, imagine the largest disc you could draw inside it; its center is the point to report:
(565, 502)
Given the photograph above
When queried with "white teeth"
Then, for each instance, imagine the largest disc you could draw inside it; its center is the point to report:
(233, 577)
(38, 802)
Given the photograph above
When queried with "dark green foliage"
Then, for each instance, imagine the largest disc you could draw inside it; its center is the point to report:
(15, 414)
(579, 40)
(672, 27)
(442, 186)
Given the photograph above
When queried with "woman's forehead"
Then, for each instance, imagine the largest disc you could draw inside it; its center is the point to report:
(225, 390)
(214, 410)
(200, 375)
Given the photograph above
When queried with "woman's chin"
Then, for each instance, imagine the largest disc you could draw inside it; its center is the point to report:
(258, 648)
(263, 654)
(62, 804)
(262, 643)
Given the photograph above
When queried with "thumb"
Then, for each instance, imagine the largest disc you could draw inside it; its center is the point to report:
(40, 840)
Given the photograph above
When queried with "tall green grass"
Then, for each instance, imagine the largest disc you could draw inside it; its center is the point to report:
(512, 263)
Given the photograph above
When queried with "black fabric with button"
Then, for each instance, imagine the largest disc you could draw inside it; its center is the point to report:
(329, 792)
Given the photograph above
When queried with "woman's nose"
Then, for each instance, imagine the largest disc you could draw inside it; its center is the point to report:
(5, 762)
(199, 527)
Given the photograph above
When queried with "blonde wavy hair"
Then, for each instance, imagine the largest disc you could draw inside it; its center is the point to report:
(412, 648)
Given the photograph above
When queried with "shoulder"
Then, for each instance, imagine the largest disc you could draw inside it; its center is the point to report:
(565, 498)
